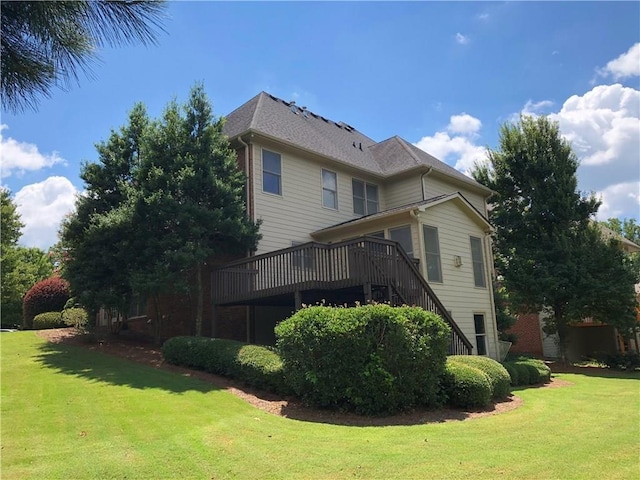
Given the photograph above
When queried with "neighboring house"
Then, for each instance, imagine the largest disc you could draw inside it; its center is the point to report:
(586, 339)
(346, 219)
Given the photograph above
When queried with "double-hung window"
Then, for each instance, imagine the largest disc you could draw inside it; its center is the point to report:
(402, 235)
(432, 250)
(477, 258)
(329, 189)
(365, 198)
(481, 333)
(271, 172)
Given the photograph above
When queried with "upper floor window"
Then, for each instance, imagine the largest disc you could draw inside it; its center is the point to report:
(329, 189)
(402, 235)
(432, 250)
(365, 198)
(271, 172)
(477, 258)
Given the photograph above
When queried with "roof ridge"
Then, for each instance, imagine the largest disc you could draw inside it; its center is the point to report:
(403, 142)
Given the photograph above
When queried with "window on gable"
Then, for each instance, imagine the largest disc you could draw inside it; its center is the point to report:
(481, 333)
(477, 258)
(365, 198)
(402, 235)
(271, 172)
(432, 250)
(329, 189)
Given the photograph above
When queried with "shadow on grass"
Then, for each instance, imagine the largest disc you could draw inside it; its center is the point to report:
(589, 371)
(99, 367)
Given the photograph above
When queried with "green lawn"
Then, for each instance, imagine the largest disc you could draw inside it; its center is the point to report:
(71, 413)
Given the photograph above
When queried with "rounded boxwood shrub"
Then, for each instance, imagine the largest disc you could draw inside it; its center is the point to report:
(49, 295)
(466, 386)
(46, 320)
(254, 365)
(499, 378)
(513, 373)
(372, 360)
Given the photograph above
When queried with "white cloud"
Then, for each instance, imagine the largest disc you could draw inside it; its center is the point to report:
(464, 124)
(483, 16)
(42, 207)
(534, 109)
(621, 200)
(461, 39)
(626, 65)
(456, 146)
(603, 126)
(19, 157)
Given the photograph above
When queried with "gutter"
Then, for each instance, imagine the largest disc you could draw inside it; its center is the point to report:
(422, 177)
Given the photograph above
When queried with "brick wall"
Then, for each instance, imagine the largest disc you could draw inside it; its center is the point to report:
(527, 329)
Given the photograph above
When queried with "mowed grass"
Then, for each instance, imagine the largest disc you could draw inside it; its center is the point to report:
(71, 413)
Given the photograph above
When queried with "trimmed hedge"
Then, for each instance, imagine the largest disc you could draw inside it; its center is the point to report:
(499, 378)
(527, 371)
(466, 386)
(49, 295)
(47, 320)
(629, 361)
(372, 360)
(254, 365)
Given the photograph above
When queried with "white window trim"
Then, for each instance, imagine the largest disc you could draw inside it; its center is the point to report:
(482, 262)
(364, 184)
(262, 171)
(483, 335)
(336, 208)
(426, 254)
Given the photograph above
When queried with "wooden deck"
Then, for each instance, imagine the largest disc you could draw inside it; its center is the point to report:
(376, 266)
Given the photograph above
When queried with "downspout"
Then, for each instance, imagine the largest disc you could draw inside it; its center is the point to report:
(247, 186)
(489, 253)
(422, 177)
(423, 260)
(246, 172)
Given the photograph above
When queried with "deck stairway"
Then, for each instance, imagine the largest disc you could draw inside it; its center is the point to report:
(378, 268)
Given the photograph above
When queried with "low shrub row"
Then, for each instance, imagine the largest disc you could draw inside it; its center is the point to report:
(254, 365)
(466, 386)
(46, 320)
(527, 371)
(621, 361)
(371, 360)
(499, 379)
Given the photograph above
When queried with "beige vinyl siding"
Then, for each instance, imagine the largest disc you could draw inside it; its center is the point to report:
(403, 191)
(434, 186)
(292, 216)
(457, 291)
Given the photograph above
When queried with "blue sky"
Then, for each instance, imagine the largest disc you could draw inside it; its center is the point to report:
(444, 76)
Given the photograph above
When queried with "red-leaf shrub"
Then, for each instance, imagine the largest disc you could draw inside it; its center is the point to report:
(49, 295)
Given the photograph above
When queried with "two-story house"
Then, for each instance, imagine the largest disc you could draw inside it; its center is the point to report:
(334, 206)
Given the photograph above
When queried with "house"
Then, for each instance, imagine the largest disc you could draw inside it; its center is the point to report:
(586, 339)
(346, 219)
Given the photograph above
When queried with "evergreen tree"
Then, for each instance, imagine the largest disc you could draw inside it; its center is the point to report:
(45, 44)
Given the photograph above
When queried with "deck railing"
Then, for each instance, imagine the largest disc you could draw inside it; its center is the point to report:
(363, 261)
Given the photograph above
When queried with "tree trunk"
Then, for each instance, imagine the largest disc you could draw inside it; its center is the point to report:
(200, 300)
(157, 322)
(561, 327)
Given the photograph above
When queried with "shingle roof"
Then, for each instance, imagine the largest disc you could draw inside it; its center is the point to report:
(276, 118)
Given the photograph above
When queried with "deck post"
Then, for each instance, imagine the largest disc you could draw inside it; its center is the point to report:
(213, 321)
(298, 299)
(367, 292)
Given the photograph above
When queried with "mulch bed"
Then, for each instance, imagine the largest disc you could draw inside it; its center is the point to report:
(137, 351)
